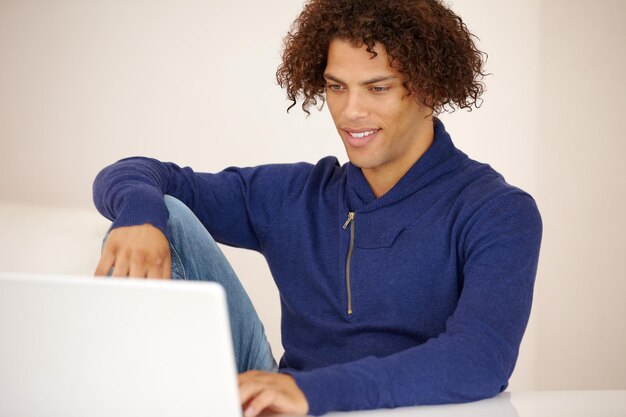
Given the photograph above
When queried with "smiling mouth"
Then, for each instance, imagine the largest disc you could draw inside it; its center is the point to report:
(363, 134)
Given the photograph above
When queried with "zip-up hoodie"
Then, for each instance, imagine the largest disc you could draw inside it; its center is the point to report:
(420, 296)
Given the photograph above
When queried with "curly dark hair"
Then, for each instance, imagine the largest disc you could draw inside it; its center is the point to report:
(426, 41)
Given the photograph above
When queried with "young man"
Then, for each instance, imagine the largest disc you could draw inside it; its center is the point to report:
(405, 276)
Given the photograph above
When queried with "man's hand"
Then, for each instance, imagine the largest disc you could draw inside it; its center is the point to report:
(264, 391)
(136, 251)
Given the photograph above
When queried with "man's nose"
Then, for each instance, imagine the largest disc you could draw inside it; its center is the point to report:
(355, 107)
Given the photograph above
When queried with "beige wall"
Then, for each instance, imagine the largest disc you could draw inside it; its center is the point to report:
(580, 309)
(85, 83)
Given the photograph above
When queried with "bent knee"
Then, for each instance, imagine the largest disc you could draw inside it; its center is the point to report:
(173, 203)
(178, 211)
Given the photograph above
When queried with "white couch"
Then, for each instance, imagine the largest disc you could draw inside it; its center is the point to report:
(59, 240)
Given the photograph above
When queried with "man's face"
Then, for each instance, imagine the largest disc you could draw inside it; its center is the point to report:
(384, 129)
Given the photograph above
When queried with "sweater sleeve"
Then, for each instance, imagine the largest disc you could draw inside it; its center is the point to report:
(475, 356)
(235, 205)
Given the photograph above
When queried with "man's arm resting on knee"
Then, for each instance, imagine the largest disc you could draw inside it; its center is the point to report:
(236, 205)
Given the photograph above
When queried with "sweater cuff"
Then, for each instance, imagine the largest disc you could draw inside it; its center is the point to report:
(143, 207)
(343, 387)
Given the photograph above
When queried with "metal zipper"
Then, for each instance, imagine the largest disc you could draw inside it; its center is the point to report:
(350, 222)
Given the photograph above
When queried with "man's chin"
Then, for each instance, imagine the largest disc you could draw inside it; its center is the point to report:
(361, 162)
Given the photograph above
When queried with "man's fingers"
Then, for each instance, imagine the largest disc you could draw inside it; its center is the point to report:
(138, 267)
(249, 390)
(159, 266)
(263, 400)
(264, 391)
(121, 268)
(247, 376)
(105, 264)
(155, 271)
(167, 267)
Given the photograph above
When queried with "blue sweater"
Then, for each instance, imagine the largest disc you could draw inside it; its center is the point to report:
(421, 298)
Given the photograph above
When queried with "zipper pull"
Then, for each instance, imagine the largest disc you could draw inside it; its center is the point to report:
(350, 218)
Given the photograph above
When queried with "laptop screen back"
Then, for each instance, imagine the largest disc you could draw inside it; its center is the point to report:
(83, 346)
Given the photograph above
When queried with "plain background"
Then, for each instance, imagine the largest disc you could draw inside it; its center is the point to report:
(84, 83)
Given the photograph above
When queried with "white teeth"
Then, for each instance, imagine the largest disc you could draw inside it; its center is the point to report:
(361, 134)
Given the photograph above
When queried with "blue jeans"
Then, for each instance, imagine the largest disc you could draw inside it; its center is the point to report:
(196, 256)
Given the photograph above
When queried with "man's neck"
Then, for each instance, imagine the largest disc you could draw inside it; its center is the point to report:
(383, 179)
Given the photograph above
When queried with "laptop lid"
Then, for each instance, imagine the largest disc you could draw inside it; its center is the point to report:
(84, 346)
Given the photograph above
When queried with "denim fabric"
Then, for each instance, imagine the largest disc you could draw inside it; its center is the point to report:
(196, 256)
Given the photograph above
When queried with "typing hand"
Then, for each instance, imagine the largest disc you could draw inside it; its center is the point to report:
(136, 251)
(264, 391)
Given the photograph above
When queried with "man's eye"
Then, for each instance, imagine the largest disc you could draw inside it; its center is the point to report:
(379, 89)
(334, 87)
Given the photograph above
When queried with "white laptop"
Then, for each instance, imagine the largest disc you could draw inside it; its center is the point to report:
(90, 347)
